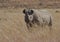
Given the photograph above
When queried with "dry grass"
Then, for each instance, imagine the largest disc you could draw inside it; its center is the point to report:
(13, 28)
(30, 3)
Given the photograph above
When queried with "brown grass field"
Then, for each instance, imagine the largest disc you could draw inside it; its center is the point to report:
(13, 28)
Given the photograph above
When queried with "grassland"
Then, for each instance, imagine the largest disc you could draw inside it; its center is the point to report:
(13, 28)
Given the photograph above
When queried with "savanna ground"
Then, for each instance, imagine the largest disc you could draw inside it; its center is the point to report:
(13, 28)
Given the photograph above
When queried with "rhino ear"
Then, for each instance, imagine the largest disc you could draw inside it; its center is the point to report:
(32, 11)
(24, 11)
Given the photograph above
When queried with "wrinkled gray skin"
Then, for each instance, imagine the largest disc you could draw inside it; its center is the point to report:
(41, 17)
